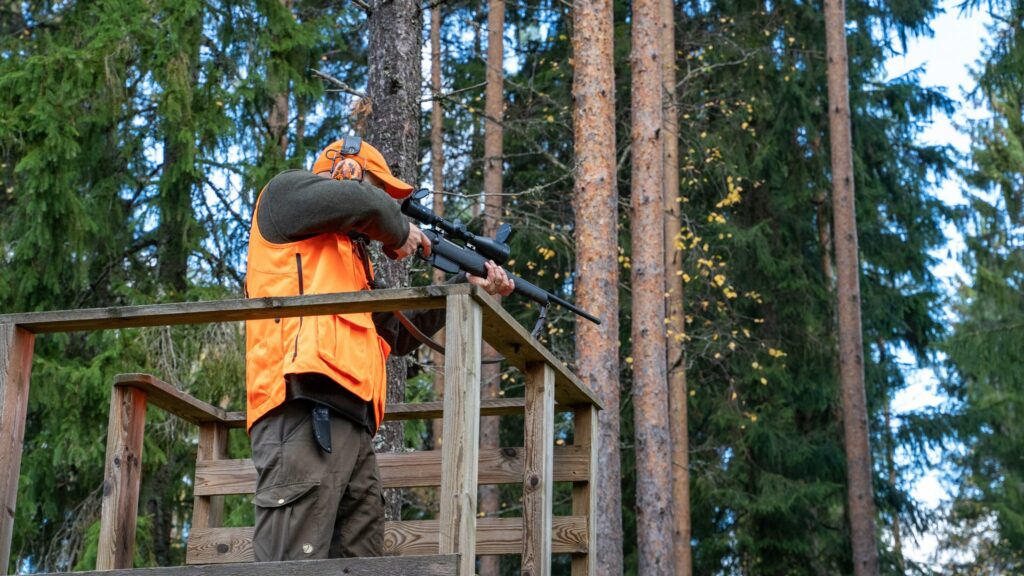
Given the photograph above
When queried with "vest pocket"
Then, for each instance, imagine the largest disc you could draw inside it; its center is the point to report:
(349, 345)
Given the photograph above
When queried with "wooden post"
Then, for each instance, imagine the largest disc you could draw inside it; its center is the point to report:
(539, 429)
(584, 494)
(208, 511)
(122, 478)
(15, 368)
(460, 450)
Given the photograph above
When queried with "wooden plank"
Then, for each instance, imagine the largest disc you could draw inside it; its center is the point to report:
(16, 346)
(409, 537)
(179, 403)
(489, 407)
(419, 298)
(191, 409)
(122, 478)
(495, 536)
(435, 565)
(460, 451)
(584, 496)
(539, 430)
(208, 510)
(515, 343)
(405, 470)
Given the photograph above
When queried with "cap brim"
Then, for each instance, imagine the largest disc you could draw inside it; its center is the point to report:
(394, 187)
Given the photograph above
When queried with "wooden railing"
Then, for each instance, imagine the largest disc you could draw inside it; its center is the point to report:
(447, 545)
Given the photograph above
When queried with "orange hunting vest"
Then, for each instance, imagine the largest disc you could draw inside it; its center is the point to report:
(346, 348)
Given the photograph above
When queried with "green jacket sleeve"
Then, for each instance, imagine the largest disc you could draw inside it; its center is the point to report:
(297, 204)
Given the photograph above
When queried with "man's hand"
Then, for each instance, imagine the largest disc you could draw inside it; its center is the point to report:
(416, 239)
(497, 281)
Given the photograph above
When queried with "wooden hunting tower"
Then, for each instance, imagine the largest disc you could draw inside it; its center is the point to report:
(447, 545)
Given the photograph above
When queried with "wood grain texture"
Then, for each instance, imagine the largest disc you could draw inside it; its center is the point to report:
(420, 298)
(460, 451)
(179, 403)
(539, 431)
(434, 565)
(586, 437)
(122, 478)
(16, 346)
(404, 538)
(514, 342)
(488, 407)
(208, 510)
(189, 408)
(405, 470)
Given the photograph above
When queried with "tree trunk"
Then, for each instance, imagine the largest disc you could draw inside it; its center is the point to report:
(890, 464)
(178, 230)
(494, 102)
(860, 497)
(675, 316)
(277, 120)
(393, 86)
(650, 394)
(437, 175)
(595, 202)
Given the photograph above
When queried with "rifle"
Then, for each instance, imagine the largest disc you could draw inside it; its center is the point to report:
(473, 253)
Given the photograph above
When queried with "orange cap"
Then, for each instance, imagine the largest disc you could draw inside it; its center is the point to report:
(372, 161)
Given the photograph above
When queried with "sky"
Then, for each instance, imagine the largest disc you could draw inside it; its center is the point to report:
(946, 59)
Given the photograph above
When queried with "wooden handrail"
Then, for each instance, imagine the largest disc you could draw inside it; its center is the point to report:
(500, 330)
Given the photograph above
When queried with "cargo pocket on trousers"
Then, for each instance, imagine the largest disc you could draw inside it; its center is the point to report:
(288, 523)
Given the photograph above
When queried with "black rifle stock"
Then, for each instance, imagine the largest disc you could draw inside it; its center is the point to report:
(454, 258)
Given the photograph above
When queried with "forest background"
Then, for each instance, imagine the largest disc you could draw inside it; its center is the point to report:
(136, 135)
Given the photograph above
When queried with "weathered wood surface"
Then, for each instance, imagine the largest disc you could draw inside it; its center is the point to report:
(539, 429)
(404, 470)
(408, 537)
(419, 298)
(16, 346)
(122, 478)
(514, 342)
(460, 451)
(196, 411)
(488, 407)
(208, 509)
(584, 493)
(435, 565)
(179, 403)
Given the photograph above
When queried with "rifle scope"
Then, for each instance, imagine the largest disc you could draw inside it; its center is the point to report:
(491, 248)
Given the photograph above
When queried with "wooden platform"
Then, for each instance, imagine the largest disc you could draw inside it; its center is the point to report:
(447, 545)
(435, 565)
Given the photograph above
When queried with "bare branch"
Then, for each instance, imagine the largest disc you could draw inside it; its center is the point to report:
(446, 95)
(340, 84)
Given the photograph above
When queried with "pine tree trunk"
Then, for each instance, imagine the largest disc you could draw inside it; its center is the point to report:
(437, 175)
(494, 102)
(178, 227)
(650, 393)
(595, 202)
(676, 318)
(393, 86)
(860, 497)
(277, 121)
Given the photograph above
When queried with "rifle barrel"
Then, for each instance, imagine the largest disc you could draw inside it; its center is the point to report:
(475, 264)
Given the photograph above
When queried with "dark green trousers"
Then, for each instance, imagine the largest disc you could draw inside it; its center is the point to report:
(311, 504)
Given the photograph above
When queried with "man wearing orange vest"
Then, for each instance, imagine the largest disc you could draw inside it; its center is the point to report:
(316, 385)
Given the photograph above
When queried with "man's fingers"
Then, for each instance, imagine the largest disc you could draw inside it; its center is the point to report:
(425, 244)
